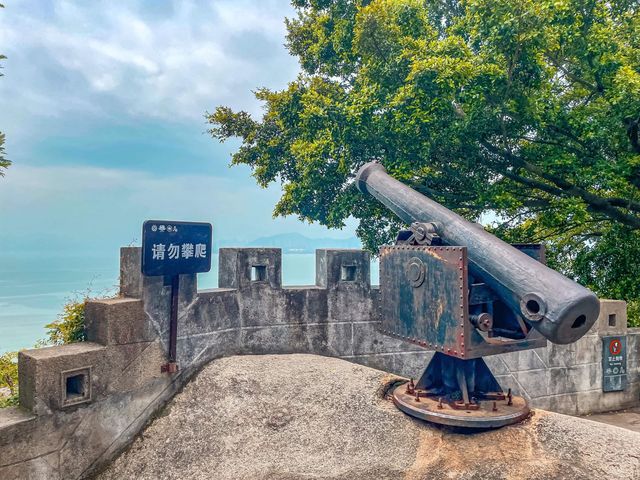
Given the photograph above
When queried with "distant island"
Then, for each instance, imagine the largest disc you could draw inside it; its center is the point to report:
(298, 243)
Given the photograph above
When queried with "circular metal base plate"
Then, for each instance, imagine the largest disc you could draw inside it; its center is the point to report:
(427, 409)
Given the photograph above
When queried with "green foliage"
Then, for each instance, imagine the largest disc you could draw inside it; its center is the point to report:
(69, 327)
(9, 378)
(528, 109)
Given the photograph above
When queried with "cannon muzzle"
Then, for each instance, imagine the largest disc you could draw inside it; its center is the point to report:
(559, 308)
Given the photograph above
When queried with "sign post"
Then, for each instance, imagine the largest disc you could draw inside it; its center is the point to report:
(171, 249)
(614, 363)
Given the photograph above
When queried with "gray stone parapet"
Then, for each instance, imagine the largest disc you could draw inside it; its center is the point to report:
(82, 403)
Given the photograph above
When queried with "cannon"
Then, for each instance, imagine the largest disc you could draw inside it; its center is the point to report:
(449, 286)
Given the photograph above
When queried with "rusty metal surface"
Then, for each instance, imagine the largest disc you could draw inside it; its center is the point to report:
(485, 414)
(423, 296)
(559, 308)
(425, 301)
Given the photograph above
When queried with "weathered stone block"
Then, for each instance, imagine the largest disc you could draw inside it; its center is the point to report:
(216, 309)
(523, 360)
(565, 403)
(406, 364)
(197, 350)
(533, 383)
(497, 365)
(46, 376)
(244, 268)
(562, 355)
(613, 318)
(598, 401)
(118, 418)
(323, 339)
(262, 305)
(350, 303)
(633, 350)
(343, 268)
(118, 321)
(315, 307)
(134, 365)
(45, 467)
(588, 350)
(131, 272)
(367, 341)
(578, 378)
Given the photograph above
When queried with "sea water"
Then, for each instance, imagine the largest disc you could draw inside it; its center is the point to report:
(35, 286)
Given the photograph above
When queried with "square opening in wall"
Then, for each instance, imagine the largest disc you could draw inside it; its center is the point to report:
(259, 273)
(348, 273)
(76, 386)
(612, 319)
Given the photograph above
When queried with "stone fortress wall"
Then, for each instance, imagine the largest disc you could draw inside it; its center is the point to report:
(83, 403)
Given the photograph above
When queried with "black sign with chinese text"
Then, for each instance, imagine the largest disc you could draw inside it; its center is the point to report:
(614, 363)
(174, 248)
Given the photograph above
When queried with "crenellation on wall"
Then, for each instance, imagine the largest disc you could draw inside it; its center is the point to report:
(251, 313)
(236, 266)
(131, 278)
(343, 269)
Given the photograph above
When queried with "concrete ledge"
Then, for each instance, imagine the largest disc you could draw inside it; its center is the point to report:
(117, 321)
(46, 376)
(11, 416)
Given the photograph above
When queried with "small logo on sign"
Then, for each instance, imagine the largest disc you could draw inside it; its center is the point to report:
(615, 347)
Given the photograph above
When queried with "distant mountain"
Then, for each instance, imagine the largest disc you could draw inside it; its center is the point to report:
(298, 243)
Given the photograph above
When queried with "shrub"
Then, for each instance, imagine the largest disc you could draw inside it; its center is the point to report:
(69, 327)
(9, 378)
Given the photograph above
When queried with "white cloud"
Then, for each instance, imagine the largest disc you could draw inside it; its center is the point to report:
(113, 58)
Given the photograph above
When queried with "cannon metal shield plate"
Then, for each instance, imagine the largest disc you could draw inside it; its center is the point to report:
(424, 295)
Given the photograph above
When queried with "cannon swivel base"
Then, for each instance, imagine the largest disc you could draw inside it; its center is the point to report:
(460, 393)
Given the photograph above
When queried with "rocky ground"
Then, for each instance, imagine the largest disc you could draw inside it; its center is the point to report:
(311, 417)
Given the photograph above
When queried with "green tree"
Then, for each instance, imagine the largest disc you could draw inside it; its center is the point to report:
(525, 108)
(4, 162)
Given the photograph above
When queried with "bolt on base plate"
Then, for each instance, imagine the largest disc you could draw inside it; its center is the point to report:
(483, 414)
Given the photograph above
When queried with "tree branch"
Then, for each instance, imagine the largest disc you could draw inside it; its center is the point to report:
(564, 188)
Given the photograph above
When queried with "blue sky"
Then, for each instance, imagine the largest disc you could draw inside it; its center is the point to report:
(102, 103)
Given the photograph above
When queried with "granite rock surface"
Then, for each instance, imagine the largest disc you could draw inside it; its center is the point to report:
(311, 417)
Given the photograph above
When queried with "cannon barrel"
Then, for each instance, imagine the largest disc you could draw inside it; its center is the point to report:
(556, 306)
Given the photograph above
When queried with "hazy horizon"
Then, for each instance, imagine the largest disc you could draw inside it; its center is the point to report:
(104, 110)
